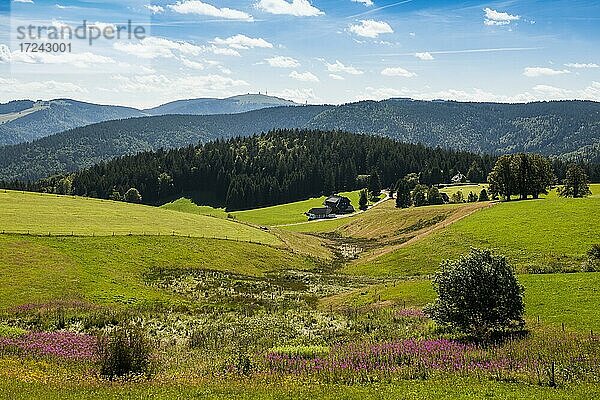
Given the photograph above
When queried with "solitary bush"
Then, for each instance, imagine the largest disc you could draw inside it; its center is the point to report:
(477, 294)
(133, 196)
(593, 262)
(594, 252)
(126, 351)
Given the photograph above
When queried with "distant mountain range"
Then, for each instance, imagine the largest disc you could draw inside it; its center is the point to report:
(26, 120)
(567, 129)
(231, 105)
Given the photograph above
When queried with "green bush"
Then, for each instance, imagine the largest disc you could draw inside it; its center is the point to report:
(124, 352)
(483, 195)
(594, 252)
(477, 294)
(307, 352)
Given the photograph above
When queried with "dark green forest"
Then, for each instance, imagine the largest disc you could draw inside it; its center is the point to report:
(83, 147)
(567, 130)
(272, 168)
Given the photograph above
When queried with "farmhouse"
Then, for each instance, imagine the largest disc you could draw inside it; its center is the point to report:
(459, 178)
(334, 205)
(319, 213)
(339, 204)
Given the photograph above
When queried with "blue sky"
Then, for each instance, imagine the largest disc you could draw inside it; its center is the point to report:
(317, 51)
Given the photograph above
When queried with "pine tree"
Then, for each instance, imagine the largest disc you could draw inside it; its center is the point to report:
(576, 183)
(363, 201)
(403, 197)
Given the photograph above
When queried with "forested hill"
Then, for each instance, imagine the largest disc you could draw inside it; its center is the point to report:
(83, 147)
(23, 121)
(568, 129)
(549, 128)
(273, 168)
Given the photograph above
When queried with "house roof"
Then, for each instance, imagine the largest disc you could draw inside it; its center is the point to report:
(320, 211)
(335, 198)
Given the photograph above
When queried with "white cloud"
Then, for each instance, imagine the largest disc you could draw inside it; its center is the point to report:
(12, 88)
(169, 87)
(282, 62)
(224, 70)
(581, 65)
(155, 9)
(551, 91)
(367, 3)
(199, 8)
(426, 56)
(5, 55)
(23, 1)
(398, 71)
(78, 60)
(103, 26)
(223, 52)
(495, 18)
(243, 42)
(372, 93)
(297, 8)
(534, 72)
(371, 28)
(155, 47)
(303, 77)
(336, 77)
(192, 64)
(547, 92)
(60, 25)
(339, 67)
(298, 95)
(538, 93)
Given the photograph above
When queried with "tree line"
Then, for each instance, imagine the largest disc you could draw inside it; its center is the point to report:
(289, 165)
(267, 169)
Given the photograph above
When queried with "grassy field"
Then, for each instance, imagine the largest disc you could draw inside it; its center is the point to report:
(572, 299)
(465, 189)
(290, 213)
(109, 270)
(187, 206)
(42, 214)
(546, 235)
(219, 311)
(434, 389)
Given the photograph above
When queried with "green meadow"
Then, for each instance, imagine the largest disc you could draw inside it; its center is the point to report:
(109, 270)
(557, 299)
(44, 214)
(285, 214)
(222, 293)
(545, 235)
(434, 389)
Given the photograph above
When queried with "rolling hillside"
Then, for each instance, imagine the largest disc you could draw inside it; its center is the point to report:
(547, 235)
(230, 105)
(568, 129)
(26, 120)
(66, 216)
(86, 146)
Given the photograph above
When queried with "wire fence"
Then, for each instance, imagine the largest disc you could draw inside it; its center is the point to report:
(33, 233)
